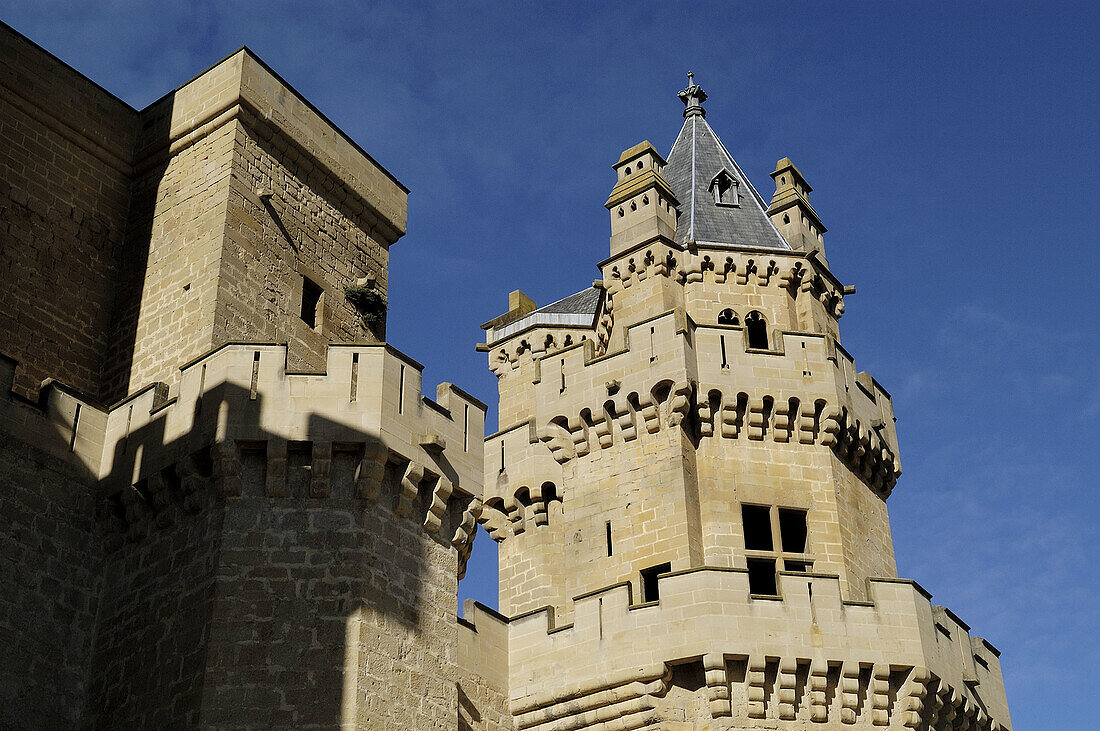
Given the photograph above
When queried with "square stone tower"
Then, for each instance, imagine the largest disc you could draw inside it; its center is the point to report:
(225, 501)
(690, 479)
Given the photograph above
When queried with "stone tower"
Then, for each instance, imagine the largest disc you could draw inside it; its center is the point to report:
(234, 507)
(690, 480)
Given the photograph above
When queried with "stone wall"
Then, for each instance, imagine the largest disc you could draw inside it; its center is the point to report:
(271, 246)
(483, 670)
(64, 193)
(402, 632)
(250, 611)
(49, 570)
(560, 549)
(136, 241)
(165, 311)
(153, 622)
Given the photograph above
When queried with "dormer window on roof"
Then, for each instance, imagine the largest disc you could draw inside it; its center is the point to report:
(725, 189)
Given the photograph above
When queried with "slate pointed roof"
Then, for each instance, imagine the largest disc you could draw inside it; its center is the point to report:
(696, 158)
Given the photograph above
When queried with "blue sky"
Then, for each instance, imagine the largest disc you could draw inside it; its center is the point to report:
(953, 151)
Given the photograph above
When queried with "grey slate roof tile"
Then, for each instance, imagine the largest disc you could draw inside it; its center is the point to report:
(585, 302)
(696, 158)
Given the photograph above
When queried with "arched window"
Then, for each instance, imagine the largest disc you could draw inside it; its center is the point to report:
(757, 329)
(550, 493)
(728, 317)
(523, 496)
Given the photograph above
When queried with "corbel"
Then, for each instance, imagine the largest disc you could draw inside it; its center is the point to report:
(433, 521)
(320, 480)
(371, 470)
(410, 487)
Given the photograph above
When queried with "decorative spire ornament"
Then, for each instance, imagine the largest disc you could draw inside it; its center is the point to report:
(693, 97)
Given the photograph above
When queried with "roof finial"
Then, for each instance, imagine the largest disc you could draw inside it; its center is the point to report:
(693, 97)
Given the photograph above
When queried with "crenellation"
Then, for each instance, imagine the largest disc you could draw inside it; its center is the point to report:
(867, 691)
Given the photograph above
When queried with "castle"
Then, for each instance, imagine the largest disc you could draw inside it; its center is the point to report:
(227, 502)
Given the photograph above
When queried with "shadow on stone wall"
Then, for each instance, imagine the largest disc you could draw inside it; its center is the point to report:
(50, 562)
(246, 581)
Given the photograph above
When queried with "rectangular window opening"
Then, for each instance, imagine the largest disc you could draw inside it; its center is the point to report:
(650, 590)
(762, 576)
(252, 389)
(76, 423)
(401, 391)
(757, 523)
(311, 302)
(354, 376)
(792, 530)
(800, 566)
(608, 527)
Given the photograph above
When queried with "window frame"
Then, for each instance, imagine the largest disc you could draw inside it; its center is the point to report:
(779, 557)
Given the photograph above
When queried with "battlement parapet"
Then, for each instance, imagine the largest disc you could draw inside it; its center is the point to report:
(616, 404)
(807, 367)
(797, 272)
(545, 332)
(672, 343)
(244, 392)
(366, 409)
(893, 660)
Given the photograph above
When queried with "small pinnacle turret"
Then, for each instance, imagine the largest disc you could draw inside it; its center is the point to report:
(791, 212)
(642, 204)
